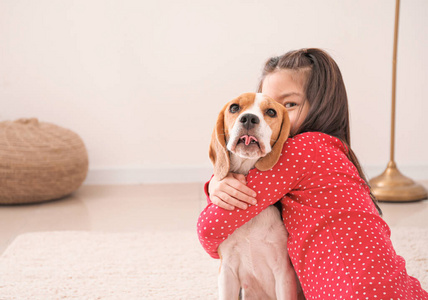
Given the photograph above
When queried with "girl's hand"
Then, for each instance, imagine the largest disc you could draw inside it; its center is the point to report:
(231, 192)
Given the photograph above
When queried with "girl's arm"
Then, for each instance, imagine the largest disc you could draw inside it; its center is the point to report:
(215, 224)
(230, 193)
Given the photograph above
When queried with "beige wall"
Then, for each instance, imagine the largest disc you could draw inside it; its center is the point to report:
(143, 81)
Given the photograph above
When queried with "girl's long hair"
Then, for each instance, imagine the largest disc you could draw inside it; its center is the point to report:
(326, 94)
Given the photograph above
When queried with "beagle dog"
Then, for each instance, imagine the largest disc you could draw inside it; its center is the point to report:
(250, 132)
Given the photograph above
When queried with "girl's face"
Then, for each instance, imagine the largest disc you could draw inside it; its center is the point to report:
(287, 88)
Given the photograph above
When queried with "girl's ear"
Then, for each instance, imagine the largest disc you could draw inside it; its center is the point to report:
(267, 162)
(219, 154)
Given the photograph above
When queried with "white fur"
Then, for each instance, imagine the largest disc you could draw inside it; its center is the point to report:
(255, 256)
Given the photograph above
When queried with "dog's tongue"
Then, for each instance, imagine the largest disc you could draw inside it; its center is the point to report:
(247, 139)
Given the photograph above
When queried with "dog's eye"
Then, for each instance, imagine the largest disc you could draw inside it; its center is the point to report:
(271, 113)
(234, 108)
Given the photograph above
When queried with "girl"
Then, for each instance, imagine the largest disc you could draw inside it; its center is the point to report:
(339, 245)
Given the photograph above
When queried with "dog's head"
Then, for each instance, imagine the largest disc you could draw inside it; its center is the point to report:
(250, 126)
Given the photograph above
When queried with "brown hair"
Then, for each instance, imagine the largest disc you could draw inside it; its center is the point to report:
(326, 94)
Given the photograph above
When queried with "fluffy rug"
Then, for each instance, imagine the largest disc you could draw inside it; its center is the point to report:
(162, 265)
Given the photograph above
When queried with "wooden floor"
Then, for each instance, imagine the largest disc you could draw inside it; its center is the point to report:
(139, 208)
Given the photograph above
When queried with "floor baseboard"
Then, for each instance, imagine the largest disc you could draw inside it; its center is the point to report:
(105, 176)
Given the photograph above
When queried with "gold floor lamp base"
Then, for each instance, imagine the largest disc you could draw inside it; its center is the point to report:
(392, 186)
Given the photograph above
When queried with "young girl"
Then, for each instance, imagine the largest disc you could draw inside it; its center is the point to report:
(339, 245)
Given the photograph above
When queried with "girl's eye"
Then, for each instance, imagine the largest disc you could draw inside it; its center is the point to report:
(234, 108)
(271, 113)
(290, 105)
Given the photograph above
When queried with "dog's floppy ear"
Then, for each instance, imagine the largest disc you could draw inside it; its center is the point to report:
(267, 162)
(219, 154)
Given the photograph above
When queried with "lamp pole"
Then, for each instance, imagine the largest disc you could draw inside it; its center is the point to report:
(391, 185)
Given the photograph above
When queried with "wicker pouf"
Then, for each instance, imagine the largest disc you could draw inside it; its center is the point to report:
(39, 161)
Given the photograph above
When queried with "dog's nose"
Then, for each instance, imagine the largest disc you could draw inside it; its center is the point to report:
(249, 120)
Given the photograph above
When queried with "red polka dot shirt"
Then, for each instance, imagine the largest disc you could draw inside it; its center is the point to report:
(339, 245)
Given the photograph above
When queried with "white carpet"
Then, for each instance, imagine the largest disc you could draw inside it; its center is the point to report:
(163, 265)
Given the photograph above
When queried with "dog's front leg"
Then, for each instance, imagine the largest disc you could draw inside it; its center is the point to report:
(228, 284)
(286, 284)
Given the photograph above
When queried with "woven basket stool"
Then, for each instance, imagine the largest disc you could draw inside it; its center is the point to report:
(39, 161)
